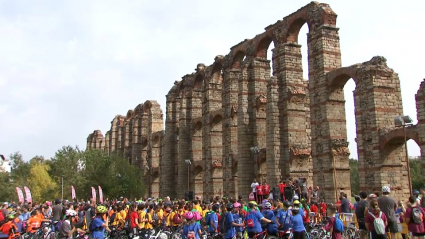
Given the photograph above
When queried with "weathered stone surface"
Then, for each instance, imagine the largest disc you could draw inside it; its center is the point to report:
(235, 123)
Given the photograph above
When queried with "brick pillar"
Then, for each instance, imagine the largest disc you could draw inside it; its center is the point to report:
(184, 146)
(230, 130)
(108, 142)
(420, 114)
(274, 146)
(295, 160)
(258, 76)
(136, 148)
(245, 135)
(382, 84)
(128, 138)
(197, 183)
(170, 150)
(114, 135)
(324, 56)
(143, 158)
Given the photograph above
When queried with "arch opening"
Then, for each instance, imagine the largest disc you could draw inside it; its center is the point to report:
(294, 30)
(238, 59)
(199, 81)
(393, 166)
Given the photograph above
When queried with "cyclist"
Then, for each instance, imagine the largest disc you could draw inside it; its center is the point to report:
(269, 214)
(191, 229)
(284, 216)
(253, 221)
(98, 225)
(229, 222)
(9, 228)
(67, 228)
(212, 220)
(297, 221)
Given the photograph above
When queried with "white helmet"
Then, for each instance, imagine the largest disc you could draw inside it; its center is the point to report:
(295, 197)
(71, 213)
(267, 205)
(386, 189)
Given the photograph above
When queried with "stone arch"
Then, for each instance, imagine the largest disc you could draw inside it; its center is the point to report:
(263, 45)
(197, 127)
(156, 141)
(216, 69)
(216, 123)
(393, 158)
(138, 110)
(199, 82)
(340, 76)
(295, 27)
(198, 172)
(130, 114)
(237, 59)
(397, 135)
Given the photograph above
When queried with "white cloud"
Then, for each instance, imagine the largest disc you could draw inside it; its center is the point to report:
(67, 68)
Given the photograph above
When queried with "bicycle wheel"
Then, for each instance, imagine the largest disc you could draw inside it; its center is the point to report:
(350, 233)
(176, 235)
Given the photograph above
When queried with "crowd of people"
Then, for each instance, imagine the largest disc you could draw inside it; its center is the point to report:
(220, 217)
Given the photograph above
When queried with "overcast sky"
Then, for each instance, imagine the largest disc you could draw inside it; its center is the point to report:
(68, 67)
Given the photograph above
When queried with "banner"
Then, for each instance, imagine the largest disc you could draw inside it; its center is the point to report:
(100, 195)
(73, 193)
(28, 194)
(93, 193)
(20, 194)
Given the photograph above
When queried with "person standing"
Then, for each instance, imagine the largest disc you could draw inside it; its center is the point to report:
(388, 205)
(376, 214)
(254, 188)
(415, 218)
(57, 213)
(361, 208)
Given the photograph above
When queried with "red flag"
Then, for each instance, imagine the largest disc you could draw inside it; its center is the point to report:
(28, 194)
(20, 194)
(93, 193)
(73, 193)
(100, 195)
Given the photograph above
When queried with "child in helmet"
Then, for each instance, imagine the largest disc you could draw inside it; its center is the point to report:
(191, 229)
(98, 225)
(9, 228)
(68, 228)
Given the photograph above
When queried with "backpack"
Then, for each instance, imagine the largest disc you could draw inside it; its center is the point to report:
(338, 224)
(191, 232)
(286, 218)
(155, 218)
(251, 197)
(58, 225)
(223, 224)
(197, 216)
(92, 228)
(250, 220)
(378, 224)
(112, 219)
(177, 219)
(263, 223)
(417, 215)
(360, 211)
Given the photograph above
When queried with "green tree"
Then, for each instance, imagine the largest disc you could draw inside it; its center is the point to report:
(40, 183)
(354, 176)
(66, 164)
(20, 169)
(113, 173)
(416, 174)
(8, 192)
